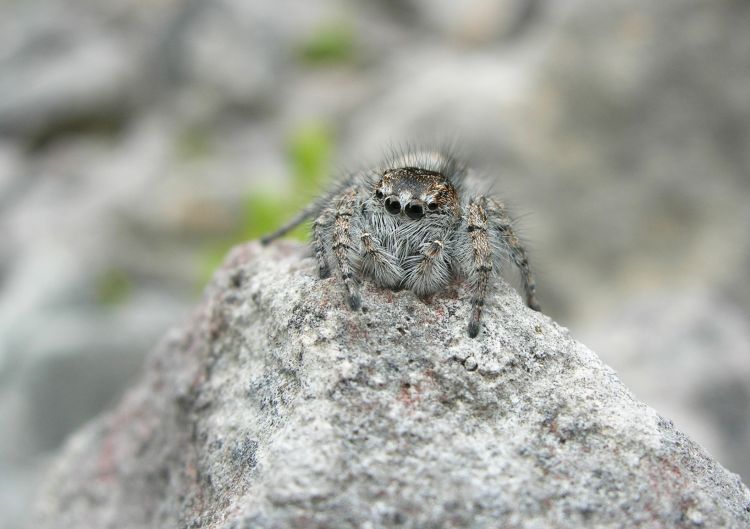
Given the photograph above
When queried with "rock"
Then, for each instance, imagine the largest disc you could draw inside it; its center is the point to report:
(477, 21)
(276, 406)
(633, 104)
(64, 80)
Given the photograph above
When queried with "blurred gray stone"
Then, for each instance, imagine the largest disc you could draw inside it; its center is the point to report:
(11, 177)
(276, 406)
(636, 132)
(222, 55)
(476, 21)
(68, 79)
(61, 237)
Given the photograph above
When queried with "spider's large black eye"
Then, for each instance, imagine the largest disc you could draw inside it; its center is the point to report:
(378, 194)
(414, 210)
(392, 205)
(432, 206)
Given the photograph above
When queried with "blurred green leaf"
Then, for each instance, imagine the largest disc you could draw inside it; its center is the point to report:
(262, 214)
(113, 287)
(310, 151)
(194, 142)
(331, 43)
(310, 154)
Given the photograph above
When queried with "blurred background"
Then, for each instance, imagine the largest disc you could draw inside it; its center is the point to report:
(141, 139)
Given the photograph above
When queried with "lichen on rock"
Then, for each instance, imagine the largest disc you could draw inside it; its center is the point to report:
(275, 405)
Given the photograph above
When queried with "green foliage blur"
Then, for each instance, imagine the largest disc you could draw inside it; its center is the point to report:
(332, 43)
(113, 287)
(310, 151)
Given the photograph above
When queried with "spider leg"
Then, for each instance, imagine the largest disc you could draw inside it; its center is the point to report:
(502, 223)
(321, 224)
(480, 264)
(343, 246)
(311, 210)
(431, 272)
(377, 264)
(298, 219)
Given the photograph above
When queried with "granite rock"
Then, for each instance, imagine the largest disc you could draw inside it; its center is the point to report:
(277, 406)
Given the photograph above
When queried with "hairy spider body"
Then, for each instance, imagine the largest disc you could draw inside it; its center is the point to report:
(409, 225)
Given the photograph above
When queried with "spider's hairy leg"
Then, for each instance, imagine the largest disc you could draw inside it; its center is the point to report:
(298, 219)
(377, 264)
(502, 223)
(343, 246)
(432, 272)
(481, 262)
(321, 224)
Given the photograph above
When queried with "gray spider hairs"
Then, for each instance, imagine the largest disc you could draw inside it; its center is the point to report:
(412, 224)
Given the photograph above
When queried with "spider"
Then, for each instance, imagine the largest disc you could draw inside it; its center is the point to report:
(411, 224)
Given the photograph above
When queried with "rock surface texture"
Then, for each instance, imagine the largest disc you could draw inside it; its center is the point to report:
(276, 406)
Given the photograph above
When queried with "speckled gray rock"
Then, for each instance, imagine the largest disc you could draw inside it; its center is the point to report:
(276, 406)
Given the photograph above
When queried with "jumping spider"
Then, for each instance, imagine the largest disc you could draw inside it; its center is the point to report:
(412, 225)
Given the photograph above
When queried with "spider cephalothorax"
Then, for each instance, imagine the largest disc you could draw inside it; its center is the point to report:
(410, 225)
(415, 191)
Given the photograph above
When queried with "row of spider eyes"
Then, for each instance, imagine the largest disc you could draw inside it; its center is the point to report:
(414, 209)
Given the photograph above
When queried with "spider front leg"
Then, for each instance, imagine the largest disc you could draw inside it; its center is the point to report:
(431, 272)
(343, 246)
(480, 264)
(377, 264)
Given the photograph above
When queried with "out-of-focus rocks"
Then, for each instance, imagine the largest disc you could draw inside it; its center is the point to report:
(477, 21)
(63, 74)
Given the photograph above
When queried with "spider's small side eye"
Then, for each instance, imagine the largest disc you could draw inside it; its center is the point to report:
(378, 193)
(432, 206)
